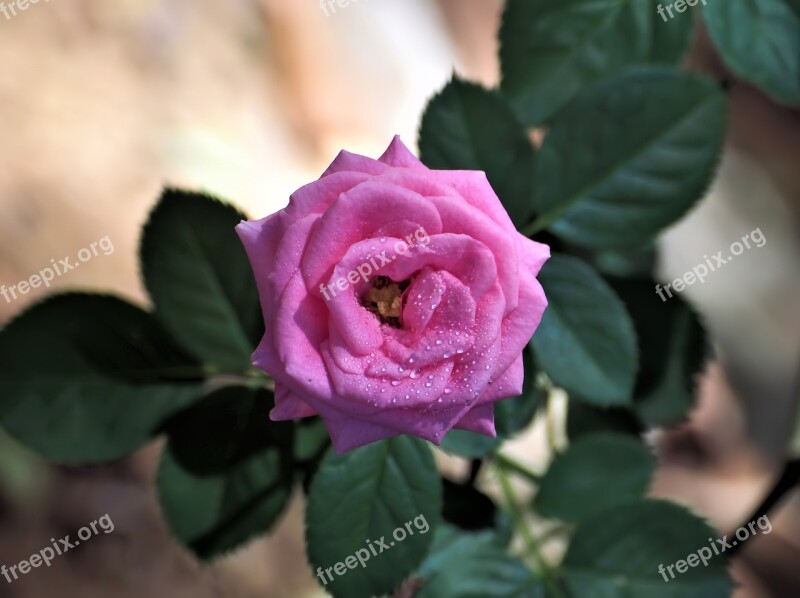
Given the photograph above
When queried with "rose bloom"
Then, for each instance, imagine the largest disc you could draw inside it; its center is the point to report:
(397, 300)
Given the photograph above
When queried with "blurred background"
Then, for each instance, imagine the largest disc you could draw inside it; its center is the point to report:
(104, 102)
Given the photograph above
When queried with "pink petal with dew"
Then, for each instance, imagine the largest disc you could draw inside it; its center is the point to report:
(459, 216)
(506, 385)
(301, 327)
(354, 216)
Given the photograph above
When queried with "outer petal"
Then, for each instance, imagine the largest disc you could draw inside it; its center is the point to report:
(288, 405)
(473, 186)
(480, 420)
(399, 156)
(349, 162)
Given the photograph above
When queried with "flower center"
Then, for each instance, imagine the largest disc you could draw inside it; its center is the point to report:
(385, 300)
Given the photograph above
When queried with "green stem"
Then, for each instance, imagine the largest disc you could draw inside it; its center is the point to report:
(521, 469)
(550, 423)
(532, 547)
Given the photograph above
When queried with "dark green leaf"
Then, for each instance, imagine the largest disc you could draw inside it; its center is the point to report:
(366, 495)
(617, 554)
(469, 444)
(595, 473)
(673, 350)
(474, 565)
(199, 278)
(467, 127)
(586, 342)
(629, 157)
(583, 420)
(226, 428)
(671, 38)
(90, 378)
(759, 40)
(215, 513)
(551, 49)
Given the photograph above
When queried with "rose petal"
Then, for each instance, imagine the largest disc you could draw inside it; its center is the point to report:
(399, 156)
(354, 216)
(348, 162)
(288, 405)
(480, 420)
(474, 187)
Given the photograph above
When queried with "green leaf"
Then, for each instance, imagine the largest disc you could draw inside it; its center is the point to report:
(583, 420)
(759, 40)
(367, 495)
(673, 350)
(216, 506)
(469, 444)
(617, 554)
(586, 342)
(671, 39)
(511, 416)
(551, 49)
(311, 442)
(629, 157)
(610, 468)
(90, 378)
(467, 127)
(474, 565)
(198, 276)
(226, 428)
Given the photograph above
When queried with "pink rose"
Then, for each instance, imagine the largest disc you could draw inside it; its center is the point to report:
(397, 300)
